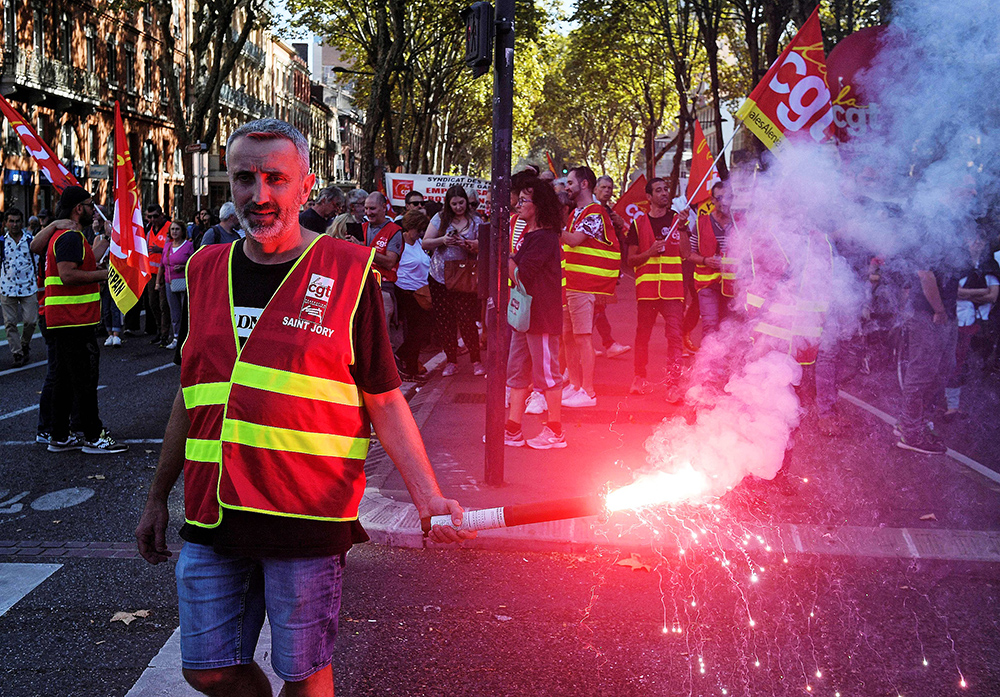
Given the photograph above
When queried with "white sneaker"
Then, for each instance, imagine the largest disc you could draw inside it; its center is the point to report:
(117, 341)
(617, 349)
(110, 341)
(547, 440)
(579, 400)
(449, 370)
(599, 352)
(478, 368)
(568, 391)
(536, 404)
(506, 399)
(172, 345)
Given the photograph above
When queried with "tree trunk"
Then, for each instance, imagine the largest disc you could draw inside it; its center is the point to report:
(720, 141)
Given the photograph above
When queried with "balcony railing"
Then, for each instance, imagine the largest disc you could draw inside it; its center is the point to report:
(36, 71)
(239, 99)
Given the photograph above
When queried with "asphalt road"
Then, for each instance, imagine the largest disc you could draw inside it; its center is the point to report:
(464, 622)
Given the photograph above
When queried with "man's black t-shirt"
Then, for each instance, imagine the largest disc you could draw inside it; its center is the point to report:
(69, 247)
(311, 220)
(947, 284)
(539, 271)
(374, 370)
(661, 226)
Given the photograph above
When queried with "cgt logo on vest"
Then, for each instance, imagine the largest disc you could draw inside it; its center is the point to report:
(314, 304)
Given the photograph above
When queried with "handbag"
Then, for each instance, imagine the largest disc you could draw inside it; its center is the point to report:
(178, 285)
(423, 297)
(460, 276)
(519, 307)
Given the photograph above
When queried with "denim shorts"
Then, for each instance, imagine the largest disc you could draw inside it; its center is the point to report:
(223, 602)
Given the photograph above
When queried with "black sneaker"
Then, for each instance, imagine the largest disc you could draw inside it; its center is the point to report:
(927, 444)
(62, 446)
(104, 444)
(43, 437)
(514, 440)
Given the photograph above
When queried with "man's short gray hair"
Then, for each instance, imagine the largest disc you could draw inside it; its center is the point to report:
(355, 196)
(227, 211)
(605, 178)
(267, 129)
(334, 193)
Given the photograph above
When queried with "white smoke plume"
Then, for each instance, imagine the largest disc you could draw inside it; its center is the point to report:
(902, 190)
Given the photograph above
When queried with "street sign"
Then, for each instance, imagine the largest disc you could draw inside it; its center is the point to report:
(196, 147)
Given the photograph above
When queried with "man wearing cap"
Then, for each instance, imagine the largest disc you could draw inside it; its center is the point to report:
(72, 312)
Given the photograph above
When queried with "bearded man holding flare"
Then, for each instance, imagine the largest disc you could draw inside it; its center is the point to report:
(279, 390)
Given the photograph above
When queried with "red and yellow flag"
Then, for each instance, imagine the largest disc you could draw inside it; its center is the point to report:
(128, 271)
(704, 173)
(50, 165)
(635, 200)
(793, 97)
(549, 162)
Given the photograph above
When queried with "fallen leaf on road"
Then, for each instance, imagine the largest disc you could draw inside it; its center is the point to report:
(129, 617)
(98, 477)
(98, 643)
(436, 608)
(148, 452)
(503, 618)
(57, 522)
(634, 563)
(929, 516)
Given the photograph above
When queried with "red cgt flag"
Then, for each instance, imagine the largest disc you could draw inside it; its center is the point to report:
(793, 97)
(54, 170)
(635, 200)
(704, 173)
(128, 271)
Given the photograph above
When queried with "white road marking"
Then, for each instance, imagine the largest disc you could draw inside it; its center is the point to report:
(11, 505)
(33, 407)
(23, 367)
(36, 335)
(17, 580)
(910, 544)
(130, 441)
(163, 676)
(154, 370)
(953, 454)
(64, 498)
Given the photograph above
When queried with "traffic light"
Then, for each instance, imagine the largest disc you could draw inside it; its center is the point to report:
(479, 34)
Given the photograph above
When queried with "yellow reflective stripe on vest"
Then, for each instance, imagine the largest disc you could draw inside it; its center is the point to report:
(729, 276)
(289, 440)
(53, 281)
(296, 384)
(788, 334)
(205, 394)
(658, 277)
(728, 260)
(664, 260)
(706, 277)
(203, 450)
(73, 299)
(591, 251)
(592, 271)
(755, 300)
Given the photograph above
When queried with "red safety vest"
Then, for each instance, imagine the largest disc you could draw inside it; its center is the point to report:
(70, 306)
(277, 427)
(708, 246)
(593, 265)
(789, 318)
(660, 277)
(380, 243)
(158, 239)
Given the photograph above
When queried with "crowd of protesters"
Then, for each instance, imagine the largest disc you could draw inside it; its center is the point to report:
(569, 253)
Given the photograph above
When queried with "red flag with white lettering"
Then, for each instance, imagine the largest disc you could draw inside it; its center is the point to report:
(635, 200)
(129, 270)
(702, 164)
(50, 165)
(793, 97)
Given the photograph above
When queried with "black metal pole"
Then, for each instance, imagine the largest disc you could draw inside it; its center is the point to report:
(496, 315)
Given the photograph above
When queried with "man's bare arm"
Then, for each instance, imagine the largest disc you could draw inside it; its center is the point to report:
(151, 531)
(398, 433)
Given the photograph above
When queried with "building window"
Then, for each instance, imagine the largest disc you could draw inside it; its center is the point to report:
(147, 61)
(92, 144)
(147, 13)
(66, 140)
(111, 52)
(130, 67)
(91, 50)
(38, 31)
(66, 39)
(10, 23)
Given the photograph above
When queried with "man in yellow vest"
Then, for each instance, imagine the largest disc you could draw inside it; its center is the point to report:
(591, 264)
(654, 250)
(714, 270)
(280, 388)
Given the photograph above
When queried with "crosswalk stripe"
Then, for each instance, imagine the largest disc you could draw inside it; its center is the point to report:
(17, 580)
